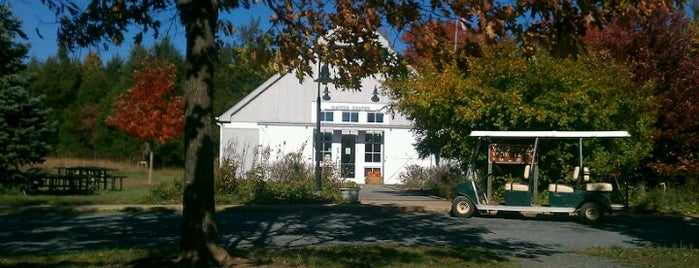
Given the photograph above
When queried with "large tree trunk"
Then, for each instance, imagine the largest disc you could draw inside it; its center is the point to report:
(199, 239)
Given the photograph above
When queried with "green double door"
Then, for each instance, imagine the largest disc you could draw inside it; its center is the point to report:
(348, 158)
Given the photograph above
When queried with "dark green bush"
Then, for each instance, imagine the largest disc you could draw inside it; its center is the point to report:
(167, 192)
(14, 189)
(290, 167)
(225, 177)
(438, 180)
(416, 177)
(288, 180)
(20, 182)
(445, 178)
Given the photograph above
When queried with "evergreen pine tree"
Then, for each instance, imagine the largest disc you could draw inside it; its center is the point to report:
(24, 129)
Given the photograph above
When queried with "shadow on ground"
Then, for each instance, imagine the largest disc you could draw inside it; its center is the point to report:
(368, 225)
(656, 230)
(52, 230)
(644, 229)
(48, 230)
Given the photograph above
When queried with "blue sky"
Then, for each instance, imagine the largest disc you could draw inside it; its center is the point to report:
(38, 21)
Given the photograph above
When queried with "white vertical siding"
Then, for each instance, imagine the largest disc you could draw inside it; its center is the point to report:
(399, 152)
(240, 144)
(283, 140)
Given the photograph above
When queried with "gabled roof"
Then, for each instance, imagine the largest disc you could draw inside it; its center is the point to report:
(286, 100)
(226, 116)
(283, 99)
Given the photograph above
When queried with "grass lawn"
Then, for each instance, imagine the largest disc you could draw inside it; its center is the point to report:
(648, 256)
(135, 188)
(376, 255)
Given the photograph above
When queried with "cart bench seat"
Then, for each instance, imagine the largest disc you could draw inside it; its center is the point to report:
(599, 187)
(560, 188)
(516, 186)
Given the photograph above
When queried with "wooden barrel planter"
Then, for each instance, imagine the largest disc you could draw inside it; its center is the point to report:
(374, 180)
(350, 195)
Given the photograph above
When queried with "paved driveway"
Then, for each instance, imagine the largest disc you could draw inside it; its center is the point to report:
(541, 242)
(409, 201)
(386, 216)
(389, 192)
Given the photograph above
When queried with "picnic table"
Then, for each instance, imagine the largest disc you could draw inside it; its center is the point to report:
(81, 180)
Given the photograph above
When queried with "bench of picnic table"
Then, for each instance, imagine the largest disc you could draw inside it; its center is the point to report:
(79, 180)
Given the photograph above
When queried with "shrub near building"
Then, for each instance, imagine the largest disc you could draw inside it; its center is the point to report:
(287, 180)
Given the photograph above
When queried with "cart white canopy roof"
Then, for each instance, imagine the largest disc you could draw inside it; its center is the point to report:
(551, 134)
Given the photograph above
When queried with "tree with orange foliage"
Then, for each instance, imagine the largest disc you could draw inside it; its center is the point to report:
(661, 50)
(151, 110)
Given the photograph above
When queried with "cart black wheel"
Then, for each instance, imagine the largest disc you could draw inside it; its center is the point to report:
(462, 207)
(591, 213)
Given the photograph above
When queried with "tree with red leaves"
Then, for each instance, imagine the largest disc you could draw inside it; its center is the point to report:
(661, 50)
(151, 110)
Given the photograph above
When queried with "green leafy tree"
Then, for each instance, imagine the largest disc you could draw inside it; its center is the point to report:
(78, 93)
(94, 85)
(109, 142)
(59, 77)
(242, 65)
(25, 130)
(504, 91)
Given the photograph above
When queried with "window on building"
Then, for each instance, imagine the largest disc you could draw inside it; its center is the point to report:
(350, 117)
(372, 147)
(326, 146)
(374, 117)
(326, 116)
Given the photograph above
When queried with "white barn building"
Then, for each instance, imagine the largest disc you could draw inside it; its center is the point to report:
(359, 136)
